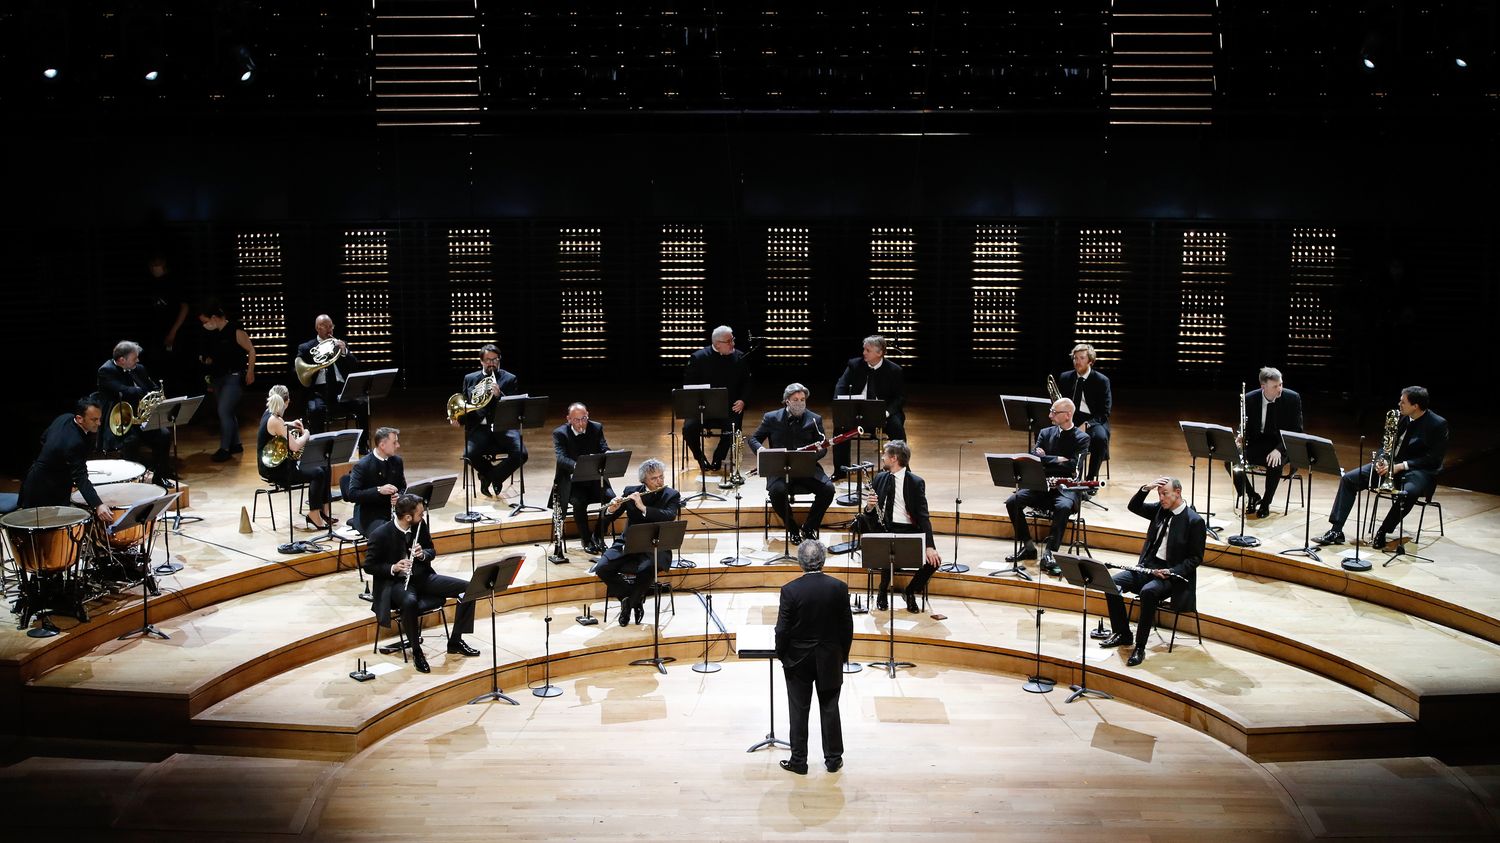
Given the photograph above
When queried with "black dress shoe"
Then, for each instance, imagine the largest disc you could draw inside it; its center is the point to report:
(1050, 566)
(1137, 656)
(1117, 639)
(795, 538)
(484, 488)
(459, 648)
(624, 613)
(640, 613)
(911, 604)
(1021, 555)
(221, 455)
(715, 467)
(881, 603)
(835, 765)
(809, 533)
(1264, 510)
(1253, 502)
(1331, 537)
(419, 661)
(1379, 543)
(799, 769)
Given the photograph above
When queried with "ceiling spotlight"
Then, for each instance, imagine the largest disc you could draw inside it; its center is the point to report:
(1368, 62)
(151, 75)
(245, 77)
(1460, 63)
(50, 73)
(246, 63)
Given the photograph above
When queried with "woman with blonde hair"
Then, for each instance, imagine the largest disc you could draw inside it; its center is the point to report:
(289, 471)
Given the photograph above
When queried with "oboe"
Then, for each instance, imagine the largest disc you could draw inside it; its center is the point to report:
(1139, 570)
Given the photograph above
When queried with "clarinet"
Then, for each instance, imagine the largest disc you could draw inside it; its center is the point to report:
(1139, 570)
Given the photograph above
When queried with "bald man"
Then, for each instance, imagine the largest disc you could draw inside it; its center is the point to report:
(323, 393)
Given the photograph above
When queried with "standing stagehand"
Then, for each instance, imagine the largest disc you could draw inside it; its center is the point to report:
(228, 359)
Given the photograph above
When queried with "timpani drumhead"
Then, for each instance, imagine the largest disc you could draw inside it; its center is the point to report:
(106, 472)
(122, 495)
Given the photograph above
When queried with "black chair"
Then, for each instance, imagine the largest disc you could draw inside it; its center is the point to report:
(426, 605)
(1422, 502)
(348, 534)
(1080, 525)
(9, 502)
(274, 487)
(1184, 602)
(1286, 480)
(662, 585)
(791, 503)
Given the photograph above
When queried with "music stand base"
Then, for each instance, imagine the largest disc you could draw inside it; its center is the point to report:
(847, 499)
(953, 568)
(167, 568)
(1243, 541)
(45, 631)
(842, 548)
(707, 667)
(1083, 690)
(1013, 569)
(147, 631)
(493, 696)
(468, 517)
(299, 547)
(518, 508)
(547, 691)
(1309, 552)
(679, 563)
(771, 740)
(890, 667)
(1039, 685)
(1350, 562)
(659, 662)
(703, 496)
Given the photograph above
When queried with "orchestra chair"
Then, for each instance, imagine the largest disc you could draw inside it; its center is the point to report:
(1422, 502)
(662, 586)
(347, 534)
(9, 502)
(791, 502)
(426, 605)
(1184, 602)
(1286, 480)
(273, 487)
(1079, 524)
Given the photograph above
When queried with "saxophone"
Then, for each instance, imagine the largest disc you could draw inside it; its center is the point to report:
(1241, 465)
(737, 456)
(1052, 389)
(1387, 452)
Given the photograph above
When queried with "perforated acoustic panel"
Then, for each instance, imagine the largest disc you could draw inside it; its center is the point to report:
(365, 274)
(683, 276)
(1312, 291)
(258, 277)
(1201, 334)
(893, 275)
(580, 274)
(788, 315)
(996, 288)
(471, 295)
(1102, 276)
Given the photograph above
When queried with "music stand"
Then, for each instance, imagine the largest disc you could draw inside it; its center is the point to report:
(1208, 442)
(326, 448)
(600, 469)
(1312, 454)
(753, 645)
(891, 552)
(867, 414)
(1086, 574)
(171, 414)
(789, 466)
(1016, 471)
(1026, 413)
(434, 491)
(366, 387)
(486, 580)
(518, 412)
(653, 538)
(141, 514)
(702, 403)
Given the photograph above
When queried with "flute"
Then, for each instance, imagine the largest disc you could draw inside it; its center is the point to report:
(411, 552)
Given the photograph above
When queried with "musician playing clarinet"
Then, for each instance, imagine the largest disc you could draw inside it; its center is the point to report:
(897, 503)
(791, 428)
(1063, 448)
(649, 502)
(400, 557)
(1168, 564)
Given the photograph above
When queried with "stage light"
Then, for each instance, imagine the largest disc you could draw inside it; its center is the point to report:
(1460, 63)
(245, 77)
(152, 76)
(246, 63)
(1368, 62)
(50, 73)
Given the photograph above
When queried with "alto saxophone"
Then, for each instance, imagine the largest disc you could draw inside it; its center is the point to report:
(736, 456)
(1387, 452)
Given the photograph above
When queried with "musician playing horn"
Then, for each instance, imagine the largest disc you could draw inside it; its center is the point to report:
(793, 427)
(1170, 557)
(870, 375)
(1268, 411)
(328, 383)
(481, 441)
(897, 503)
(123, 378)
(651, 501)
(1062, 448)
(290, 471)
(1092, 399)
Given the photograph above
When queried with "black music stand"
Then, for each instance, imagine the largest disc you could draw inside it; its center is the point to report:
(171, 414)
(1026, 413)
(760, 650)
(434, 491)
(1312, 454)
(653, 538)
(326, 448)
(598, 469)
(701, 403)
(867, 414)
(1016, 471)
(789, 466)
(518, 412)
(891, 552)
(1086, 574)
(956, 567)
(1208, 442)
(141, 515)
(486, 580)
(366, 387)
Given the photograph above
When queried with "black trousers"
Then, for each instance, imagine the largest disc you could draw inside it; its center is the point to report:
(426, 594)
(1414, 484)
(894, 427)
(1151, 590)
(615, 565)
(1255, 454)
(579, 496)
(822, 667)
(480, 446)
(158, 442)
(822, 492)
(321, 403)
(691, 427)
(923, 574)
(1098, 434)
(291, 472)
(1063, 504)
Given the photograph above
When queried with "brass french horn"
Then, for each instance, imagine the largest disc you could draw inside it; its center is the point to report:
(479, 396)
(122, 417)
(325, 353)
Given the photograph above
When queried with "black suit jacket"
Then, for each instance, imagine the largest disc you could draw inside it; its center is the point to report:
(727, 370)
(779, 429)
(337, 373)
(115, 385)
(1055, 442)
(569, 447)
(662, 506)
(509, 385)
(1095, 388)
(1285, 413)
(1185, 539)
(886, 383)
(814, 611)
(1425, 444)
(915, 492)
(387, 546)
(369, 474)
(61, 465)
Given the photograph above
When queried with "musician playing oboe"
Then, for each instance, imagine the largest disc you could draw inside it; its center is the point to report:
(791, 428)
(399, 557)
(1062, 448)
(1169, 562)
(649, 502)
(897, 503)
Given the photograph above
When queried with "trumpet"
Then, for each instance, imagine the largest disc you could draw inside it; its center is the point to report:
(479, 396)
(324, 354)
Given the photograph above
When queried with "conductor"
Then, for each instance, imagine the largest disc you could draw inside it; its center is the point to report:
(814, 630)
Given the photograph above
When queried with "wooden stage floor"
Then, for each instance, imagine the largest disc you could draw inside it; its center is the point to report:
(1314, 696)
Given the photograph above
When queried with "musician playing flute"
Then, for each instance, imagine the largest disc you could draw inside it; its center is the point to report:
(377, 480)
(399, 558)
(1167, 566)
(897, 503)
(1062, 448)
(650, 501)
(791, 428)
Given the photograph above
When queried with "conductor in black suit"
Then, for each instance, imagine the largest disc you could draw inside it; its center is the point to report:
(897, 503)
(577, 437)
(481, 441)
(1174, 546)
(792, 428)
(328, 384)
(720, 364)
(1092, 399)
(404, 546)
(1060, 446)
(376, 480)
(124, 378)
(1268, 411)
(62, 464)
(650, 502)
(870, 375)
(814, 631)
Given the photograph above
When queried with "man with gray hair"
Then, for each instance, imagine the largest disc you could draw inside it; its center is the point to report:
(719, 364)
(1268, 411)
(870, 375)
(814, 631)
(1168, 564)
(123, 379)
(649, 502)
(791, 428)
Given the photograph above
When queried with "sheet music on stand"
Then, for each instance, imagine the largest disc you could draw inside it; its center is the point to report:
(1026, 413)
(169, 415)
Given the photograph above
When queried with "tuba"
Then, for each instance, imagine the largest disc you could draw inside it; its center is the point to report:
(324, 354)
(460, 405)
(1387, 452)
(121, 416)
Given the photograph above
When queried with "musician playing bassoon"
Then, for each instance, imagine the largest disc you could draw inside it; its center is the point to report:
(794, 427)
(1063, 448)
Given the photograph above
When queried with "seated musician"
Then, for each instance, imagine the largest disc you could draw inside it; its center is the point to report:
(719, 364)
(1268, 411)
(481, 441)
(870, 375)
(1092, 399)
(290, 470)
(571, 440)
(1063, 448)
(793, 428)
(123, 378)
(62, 464)
(897, 503)
(649, 502)
(399, 558)
(1167, 567)
(376, 480)
(328, 384)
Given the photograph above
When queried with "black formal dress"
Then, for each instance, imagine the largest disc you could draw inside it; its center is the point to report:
(780, 429)
(1422, 444)
(365, 480)
(730, 371)
(886, 383)
(1093, 393)
(116, 385)
(323, 395)
(1263, 437)
(1179, 549)
(389, 544)
(615, 565)
(1064, 449)
(814, 631)
(482, 442)
(569, 446)
(61, 465)
(917, 520)
(292, 470)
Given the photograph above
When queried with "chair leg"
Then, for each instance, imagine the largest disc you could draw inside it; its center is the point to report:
(1421, 517)
(1176, 619)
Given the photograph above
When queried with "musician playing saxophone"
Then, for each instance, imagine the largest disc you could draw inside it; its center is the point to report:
(1171, 554)
(1421, 442)
(328, 383)
(650, 501)
(1268, 411)
(481, 441)
(1062, 447)
(897, 503)
(124, 378)
(793, 427)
